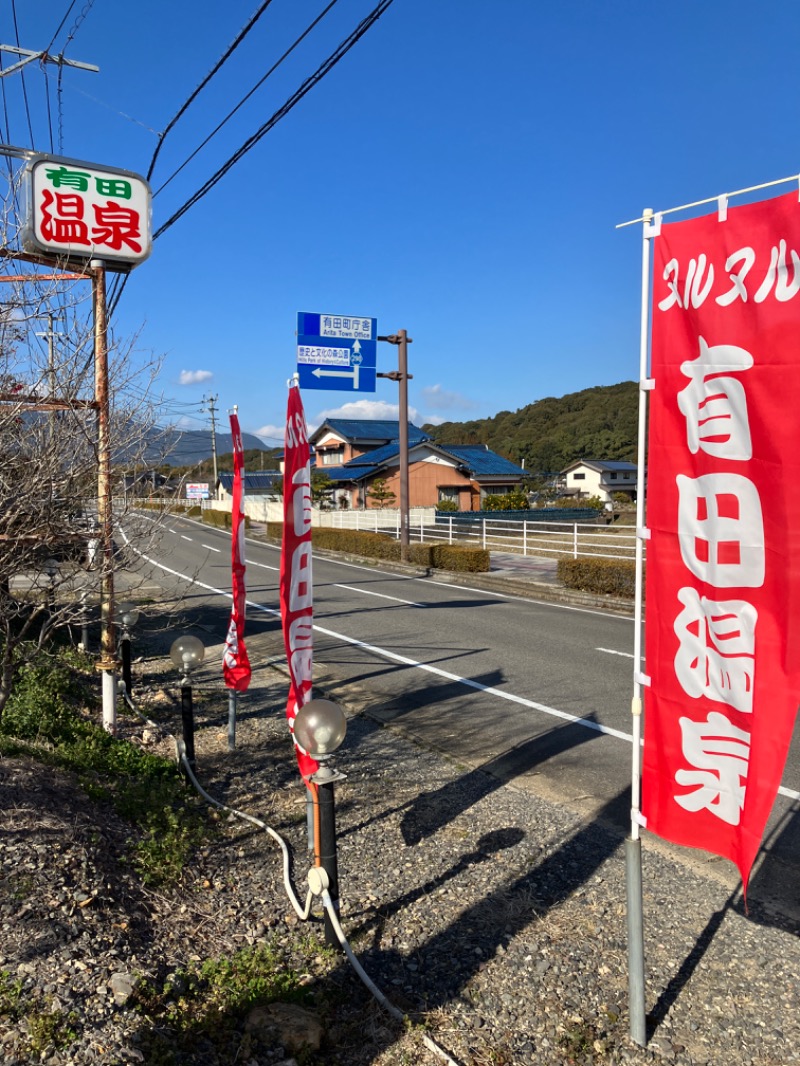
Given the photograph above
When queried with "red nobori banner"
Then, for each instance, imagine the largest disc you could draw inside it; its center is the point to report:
(235, 662)
(723, 510)
(296, 588)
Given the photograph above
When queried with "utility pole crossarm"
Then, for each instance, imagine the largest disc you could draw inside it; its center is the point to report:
(44, 57)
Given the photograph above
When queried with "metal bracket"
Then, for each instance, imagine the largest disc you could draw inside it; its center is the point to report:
(647, 384)
(642, 533)
(642, 679)
(653, 229)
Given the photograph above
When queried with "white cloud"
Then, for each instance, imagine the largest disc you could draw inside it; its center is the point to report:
(441, 400)
(366, 409)
(271, 435)
(194, 377)
(433, 420)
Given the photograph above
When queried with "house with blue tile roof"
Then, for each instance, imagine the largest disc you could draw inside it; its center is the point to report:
(355, 453)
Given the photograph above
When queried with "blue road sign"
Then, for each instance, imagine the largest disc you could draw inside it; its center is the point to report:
(337, 352)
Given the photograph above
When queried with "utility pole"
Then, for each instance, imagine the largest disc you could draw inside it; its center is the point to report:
(402, 377)
(50, 333)
(105, 518)
(213, 412)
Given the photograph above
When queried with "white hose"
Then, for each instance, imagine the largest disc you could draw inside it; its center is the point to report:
(301, 912)
(395, 1012)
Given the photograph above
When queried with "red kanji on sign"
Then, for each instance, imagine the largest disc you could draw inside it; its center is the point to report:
(65, 225)
(116, 225)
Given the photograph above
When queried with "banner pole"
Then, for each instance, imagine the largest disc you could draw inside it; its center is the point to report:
(633, 846)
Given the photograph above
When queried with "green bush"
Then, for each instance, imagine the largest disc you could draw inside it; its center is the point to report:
(508, 501)
(447, 505)
(383, 546)
(457, 557)
(603, 576)
(194, 511)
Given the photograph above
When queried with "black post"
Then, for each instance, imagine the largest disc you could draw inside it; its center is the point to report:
(125, 648)
(187, 719)
(327, 852)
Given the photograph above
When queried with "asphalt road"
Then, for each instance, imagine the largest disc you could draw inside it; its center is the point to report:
(536, 693)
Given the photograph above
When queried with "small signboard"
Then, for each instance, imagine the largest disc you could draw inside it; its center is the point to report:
(198, 491)
(81, 211)
(337, 352)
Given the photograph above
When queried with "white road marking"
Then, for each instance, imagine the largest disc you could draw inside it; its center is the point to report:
(380, 595)
(263, 565)
(208, 546)
(383, 653)
(184, 537)
(610, 651)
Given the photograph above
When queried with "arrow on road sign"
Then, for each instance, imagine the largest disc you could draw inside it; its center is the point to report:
(318, 372)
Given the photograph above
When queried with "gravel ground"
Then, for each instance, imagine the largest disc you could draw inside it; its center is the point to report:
(494, 919)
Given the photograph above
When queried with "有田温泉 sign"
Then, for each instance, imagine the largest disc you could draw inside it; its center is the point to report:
(723, 511)
(81, 211)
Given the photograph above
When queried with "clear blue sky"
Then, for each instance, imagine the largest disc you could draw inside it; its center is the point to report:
(458, 174)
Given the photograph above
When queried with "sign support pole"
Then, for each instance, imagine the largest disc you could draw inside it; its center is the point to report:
(107, 664)
(402, 377)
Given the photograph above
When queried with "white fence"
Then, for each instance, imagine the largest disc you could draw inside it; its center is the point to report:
(523, 537)
(518, 536)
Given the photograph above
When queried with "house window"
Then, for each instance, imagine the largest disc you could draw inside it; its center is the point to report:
(331, 457)
(627, 477)
(448, 493)
(613, 477)
(579, 477)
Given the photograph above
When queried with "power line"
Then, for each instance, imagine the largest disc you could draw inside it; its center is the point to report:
(119, 283)
(22, 72)
(248, 26)
(305, 88)
(247, 96)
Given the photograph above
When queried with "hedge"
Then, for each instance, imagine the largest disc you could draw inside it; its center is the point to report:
(604, 576)
(383, 546)
(221, 519)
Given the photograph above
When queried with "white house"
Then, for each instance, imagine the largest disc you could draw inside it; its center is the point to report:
(599, 477)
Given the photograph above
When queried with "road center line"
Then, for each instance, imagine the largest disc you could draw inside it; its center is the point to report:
(380, 595)
(610, 651)
(184, 537)
(208, 546)
(383, 653)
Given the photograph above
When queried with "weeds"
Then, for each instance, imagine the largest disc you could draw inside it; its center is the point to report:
(45, 718)
(209, 1002)
(46, 1028)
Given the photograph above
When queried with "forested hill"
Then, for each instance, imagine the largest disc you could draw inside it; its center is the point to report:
(597, 423)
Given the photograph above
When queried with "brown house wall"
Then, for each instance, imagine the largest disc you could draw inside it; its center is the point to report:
(424, 480)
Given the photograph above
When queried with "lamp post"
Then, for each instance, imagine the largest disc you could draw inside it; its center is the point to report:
(186, 653)
(319, 728)
(127, 616)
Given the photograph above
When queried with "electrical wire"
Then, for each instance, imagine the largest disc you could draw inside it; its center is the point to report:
(248, 26)
(298, 95)
(22, 73)
(61, 25)
(247, 96)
